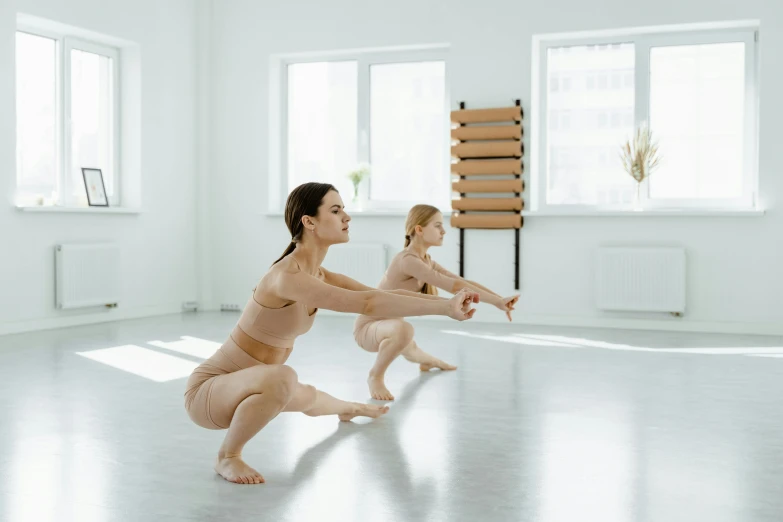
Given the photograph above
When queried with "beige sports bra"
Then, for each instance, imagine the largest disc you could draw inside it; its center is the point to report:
(277, 327)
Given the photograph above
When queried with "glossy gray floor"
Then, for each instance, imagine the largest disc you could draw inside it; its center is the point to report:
(537, 424)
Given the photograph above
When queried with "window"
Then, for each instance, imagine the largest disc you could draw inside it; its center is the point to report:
(697, 90)
(322, 116)
(66, 117)
(385, 109)
(37, 114)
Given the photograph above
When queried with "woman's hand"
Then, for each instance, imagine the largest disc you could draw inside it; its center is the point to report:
(460, 307)
(506, 304)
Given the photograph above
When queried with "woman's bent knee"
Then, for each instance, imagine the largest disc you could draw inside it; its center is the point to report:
(279, 382)
(405, 332)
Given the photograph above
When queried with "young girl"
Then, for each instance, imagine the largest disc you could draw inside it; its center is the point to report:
(246, 383)
(413, 270)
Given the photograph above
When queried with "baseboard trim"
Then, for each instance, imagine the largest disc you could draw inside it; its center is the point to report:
(656, 325)
(50, 323)
(674, 325)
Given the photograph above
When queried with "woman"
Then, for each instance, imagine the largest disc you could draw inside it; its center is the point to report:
(414, 270)
(246, 383)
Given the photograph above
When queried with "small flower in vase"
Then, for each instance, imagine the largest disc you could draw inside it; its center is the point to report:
(357, 176)
(640, 158)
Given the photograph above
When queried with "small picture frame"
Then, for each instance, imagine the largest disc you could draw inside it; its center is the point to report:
(96, 190)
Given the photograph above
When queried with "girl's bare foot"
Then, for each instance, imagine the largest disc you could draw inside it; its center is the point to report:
(436, 363)
(364, 410)
(426, 361)
(234, 469)
(378, 390)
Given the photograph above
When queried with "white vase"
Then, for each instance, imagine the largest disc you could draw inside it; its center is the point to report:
(637, 199)
(358, 197)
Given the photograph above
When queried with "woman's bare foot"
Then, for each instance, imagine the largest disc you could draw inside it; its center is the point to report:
(364, 410)
(378, 390)
(234, 469)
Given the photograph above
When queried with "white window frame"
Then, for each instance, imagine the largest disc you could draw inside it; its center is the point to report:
(644, 40)
(365, 60)
(64, 45)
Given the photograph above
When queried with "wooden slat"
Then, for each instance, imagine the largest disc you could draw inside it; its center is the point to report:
(486, 221)
(487, 204)
(487, 115)
(495, 132)
(488, 167)
(505, 185)
(488, 149)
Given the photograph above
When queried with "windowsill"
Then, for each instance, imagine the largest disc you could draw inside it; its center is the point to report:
(646, 213)
(79, 210)
(579, 213)
(354, 212)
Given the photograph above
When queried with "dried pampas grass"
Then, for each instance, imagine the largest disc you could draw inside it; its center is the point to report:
(640, 155)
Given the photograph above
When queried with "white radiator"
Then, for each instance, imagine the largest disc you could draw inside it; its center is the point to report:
(87, 275)
(365, 262)
(649, 279)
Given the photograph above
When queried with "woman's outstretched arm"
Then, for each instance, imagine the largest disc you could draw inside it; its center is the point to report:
(346, 282)
(301, 287)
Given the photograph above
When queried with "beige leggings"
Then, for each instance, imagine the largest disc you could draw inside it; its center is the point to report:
(369, 332)
(229, 358)
(365, 332)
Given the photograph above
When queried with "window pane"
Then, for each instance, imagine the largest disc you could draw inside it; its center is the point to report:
(594, 87)
(322, 123)
(408, 133)
(697, 95)
(92, 118)
(37, 165)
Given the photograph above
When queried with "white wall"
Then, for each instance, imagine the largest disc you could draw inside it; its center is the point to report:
(159, 246)
(735, 263)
